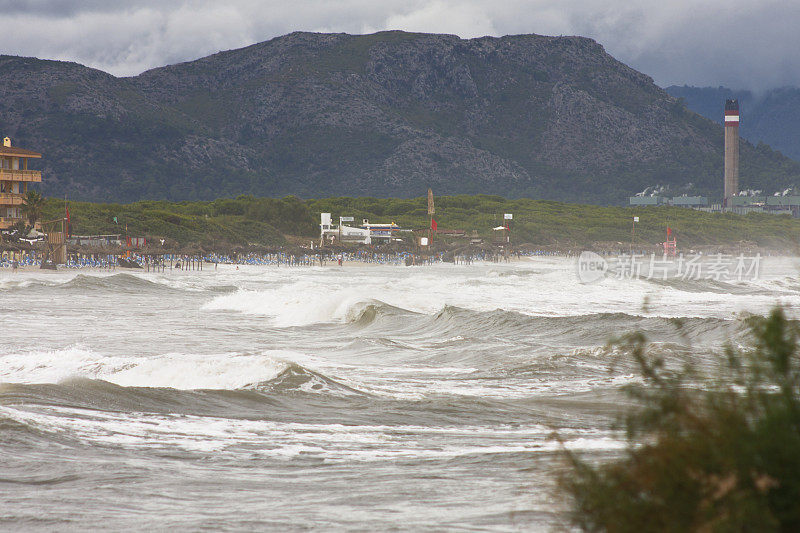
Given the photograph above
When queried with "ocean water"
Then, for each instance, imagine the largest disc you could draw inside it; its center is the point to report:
(368, 398)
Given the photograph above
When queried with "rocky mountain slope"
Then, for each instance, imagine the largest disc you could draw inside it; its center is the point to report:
(772, 118)
(387, 114)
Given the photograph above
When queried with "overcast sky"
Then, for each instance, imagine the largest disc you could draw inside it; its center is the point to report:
(751, 44)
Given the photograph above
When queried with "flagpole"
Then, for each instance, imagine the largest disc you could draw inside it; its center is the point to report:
(431, 211)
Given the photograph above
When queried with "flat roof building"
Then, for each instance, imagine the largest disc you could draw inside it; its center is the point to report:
(678, 201)
(647, 200)
(689, 201)
(776, 205)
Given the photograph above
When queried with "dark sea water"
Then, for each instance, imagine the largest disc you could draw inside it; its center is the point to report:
(368, 398)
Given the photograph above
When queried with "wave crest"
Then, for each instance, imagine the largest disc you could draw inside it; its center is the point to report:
(296, 378)
(174, 370)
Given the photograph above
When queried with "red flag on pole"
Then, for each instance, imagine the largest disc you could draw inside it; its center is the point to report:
(669, 231)
(433, 225)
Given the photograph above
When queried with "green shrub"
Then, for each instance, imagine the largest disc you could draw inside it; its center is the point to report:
(704, 454)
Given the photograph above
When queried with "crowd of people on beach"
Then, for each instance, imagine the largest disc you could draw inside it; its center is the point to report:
(160, 262)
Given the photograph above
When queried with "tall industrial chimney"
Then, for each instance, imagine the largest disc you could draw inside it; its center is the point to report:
(731, 149)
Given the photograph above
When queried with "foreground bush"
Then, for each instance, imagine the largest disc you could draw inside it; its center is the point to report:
(719, 455)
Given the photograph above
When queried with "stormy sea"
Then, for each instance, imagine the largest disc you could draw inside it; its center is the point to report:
(365, 397)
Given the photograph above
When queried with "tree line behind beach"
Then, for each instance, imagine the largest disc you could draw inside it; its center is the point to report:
(248, 220)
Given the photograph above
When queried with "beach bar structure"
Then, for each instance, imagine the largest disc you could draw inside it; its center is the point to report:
(380, 232)
(368, 233)
(14, 179)
(341, 233)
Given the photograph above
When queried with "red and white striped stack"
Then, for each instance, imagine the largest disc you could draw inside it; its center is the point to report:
(732, 117)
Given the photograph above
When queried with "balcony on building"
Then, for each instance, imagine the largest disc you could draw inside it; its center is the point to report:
(14, 179)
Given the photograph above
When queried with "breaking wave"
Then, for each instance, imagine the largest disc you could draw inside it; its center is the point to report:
(454, 324)
(178, 371)
(296, 378)
(123, 283)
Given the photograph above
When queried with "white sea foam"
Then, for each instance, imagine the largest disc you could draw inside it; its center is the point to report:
(175, 370)
(489, 390)
(311, 301)
(288, 308)
(286, 440)
(551, 289)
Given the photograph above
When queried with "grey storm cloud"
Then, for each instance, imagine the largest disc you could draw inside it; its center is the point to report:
(737, 43)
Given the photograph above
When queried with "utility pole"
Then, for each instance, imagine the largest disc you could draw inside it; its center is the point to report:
(633, 232)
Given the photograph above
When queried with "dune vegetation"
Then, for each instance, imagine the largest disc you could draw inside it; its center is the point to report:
(268, 221)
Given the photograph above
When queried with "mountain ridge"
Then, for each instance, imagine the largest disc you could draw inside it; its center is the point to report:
(386, 114)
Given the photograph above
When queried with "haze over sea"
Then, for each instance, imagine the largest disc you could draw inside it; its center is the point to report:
(361, 397)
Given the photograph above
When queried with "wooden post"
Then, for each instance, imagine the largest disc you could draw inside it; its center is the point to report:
(431, 211)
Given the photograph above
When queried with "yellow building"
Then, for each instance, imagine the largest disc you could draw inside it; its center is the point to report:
(14, 179)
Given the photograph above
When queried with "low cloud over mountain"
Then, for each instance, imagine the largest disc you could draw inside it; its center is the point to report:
(737, 43)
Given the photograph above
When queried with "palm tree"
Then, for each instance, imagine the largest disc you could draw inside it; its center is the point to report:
(32, 208)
